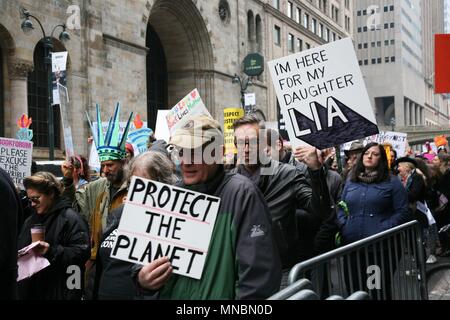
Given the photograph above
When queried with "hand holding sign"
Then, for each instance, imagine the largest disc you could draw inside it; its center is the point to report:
(155, 274)
(308, 155)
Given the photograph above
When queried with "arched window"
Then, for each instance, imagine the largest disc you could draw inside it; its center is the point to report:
(38, 102)
(258, 33)
(2, 97)
(250, 30)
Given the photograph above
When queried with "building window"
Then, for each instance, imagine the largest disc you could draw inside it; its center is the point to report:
(366, 62)
(290, 9)
(258, 33)
(359, 45)
(290, 43)
(321, 33)
(386, 25)
(392, 59)
(392, 42)
(378, 43)
(277, 35)
(359, 29)
(306, 21)
(372, 44)
(365, 29)
(386, 42)
(391, 8)
(374, 61)
(386, 8)
(314, 25)
(358, 13)
(276, 4)
(327, 35)
(378, 60)
(392, 24)
(364, 12)
(366, 45)
(386, 59)
(298, 16)
(38, 101)
(299, 45)
(250, 30)
(360, 62)
(334, 36)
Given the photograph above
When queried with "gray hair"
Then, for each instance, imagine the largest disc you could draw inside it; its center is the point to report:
(156, 164)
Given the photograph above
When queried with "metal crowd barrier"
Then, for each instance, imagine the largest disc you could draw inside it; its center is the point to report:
(303, 290)
(388, 266)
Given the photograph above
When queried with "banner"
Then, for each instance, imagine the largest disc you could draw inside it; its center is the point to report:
(442, 63)
(189, 106)
(15, 158)
(59, 61)
(230, 115)
(322, 96)
(65, 120)
(163, 220)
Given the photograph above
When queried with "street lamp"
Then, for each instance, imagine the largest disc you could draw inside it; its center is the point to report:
(243, 84)
(27, 28)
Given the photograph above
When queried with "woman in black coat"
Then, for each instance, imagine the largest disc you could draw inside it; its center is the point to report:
(66, 242)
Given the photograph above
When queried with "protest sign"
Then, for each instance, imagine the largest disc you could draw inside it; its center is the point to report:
(67, 129)
(161, 128)
(398, 140)
(24, 133)
(322, 96)
(59, 61)
(230, 115)
(189, 106)
(163, 220)
(139, 139)
(15, 158)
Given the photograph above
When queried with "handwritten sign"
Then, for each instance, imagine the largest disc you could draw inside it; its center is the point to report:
(163, 220)
(189, 106)
(15, 158)
(230, 115)
(322, 96)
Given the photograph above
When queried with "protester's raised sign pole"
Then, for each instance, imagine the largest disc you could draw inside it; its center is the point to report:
(162, 220)
(322, 95)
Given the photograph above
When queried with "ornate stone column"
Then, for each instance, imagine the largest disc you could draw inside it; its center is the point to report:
(18, 72)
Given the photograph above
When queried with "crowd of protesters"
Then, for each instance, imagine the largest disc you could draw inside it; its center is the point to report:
(279, 206)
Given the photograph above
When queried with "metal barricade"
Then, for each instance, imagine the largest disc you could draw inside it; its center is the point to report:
(389, 266)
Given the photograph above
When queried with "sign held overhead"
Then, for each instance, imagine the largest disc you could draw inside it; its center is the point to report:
(322, 96)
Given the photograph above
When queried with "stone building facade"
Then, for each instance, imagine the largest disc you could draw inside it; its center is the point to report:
(148, 54)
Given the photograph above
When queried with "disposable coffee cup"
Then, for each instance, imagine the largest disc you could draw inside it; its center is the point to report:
(37, 233)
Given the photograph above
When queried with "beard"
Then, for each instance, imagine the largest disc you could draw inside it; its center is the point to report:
(115, 179)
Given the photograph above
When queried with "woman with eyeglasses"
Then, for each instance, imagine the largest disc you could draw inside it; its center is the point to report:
(65, 241)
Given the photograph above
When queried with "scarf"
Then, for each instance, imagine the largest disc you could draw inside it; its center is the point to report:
(368, 176)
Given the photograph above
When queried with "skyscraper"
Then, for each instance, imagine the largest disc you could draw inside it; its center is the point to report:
(394, 43)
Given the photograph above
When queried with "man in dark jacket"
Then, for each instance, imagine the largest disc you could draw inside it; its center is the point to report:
(11, 214)
(284, 187)
(242, 260)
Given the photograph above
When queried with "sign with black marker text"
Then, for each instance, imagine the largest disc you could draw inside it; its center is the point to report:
(162, 220)
(322, 96)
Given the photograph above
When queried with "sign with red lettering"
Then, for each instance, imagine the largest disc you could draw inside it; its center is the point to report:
(15, 158)
(322, 96)
(162, 220)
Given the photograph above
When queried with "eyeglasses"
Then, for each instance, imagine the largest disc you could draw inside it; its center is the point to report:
(35, 199)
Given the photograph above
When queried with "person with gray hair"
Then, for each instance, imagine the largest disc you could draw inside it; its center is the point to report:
(113, 277)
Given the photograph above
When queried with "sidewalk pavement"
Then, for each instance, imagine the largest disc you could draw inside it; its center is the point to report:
(438, 279)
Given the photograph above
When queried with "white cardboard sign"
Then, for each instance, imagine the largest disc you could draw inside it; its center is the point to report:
(322, 95)
(163, 220)
(15, 158)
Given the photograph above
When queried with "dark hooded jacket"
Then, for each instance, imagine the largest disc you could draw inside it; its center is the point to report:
(10, 214)
(67, 234)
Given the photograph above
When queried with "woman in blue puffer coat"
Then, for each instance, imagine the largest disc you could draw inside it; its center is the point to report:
(373, 201)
